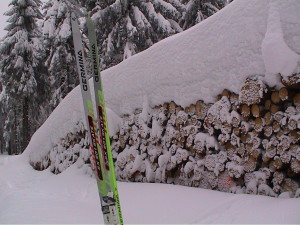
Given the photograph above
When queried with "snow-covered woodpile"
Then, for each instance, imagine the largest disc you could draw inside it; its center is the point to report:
(74, 148)
(242, 143)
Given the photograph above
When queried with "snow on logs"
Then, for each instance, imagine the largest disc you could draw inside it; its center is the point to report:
(242, 143)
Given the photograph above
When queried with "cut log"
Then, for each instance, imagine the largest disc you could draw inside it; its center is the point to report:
(245, 110)
(258, 124)
(217, 123)
(275, 97)
(244, 127)
(123, 140)
(276, 126)
(294, 136)
(165, 108)
(278, 178)
(250, 136)
(235, 140)
(279, 134)
(283, 94)
(172, 108)
(296, 100)
(252, 91)
(295, 166)
(291, 81)
(289, 185)
(236, 131)
(210, 118)
(271, 150)
(250, 164)
(275, 164)
(285, 157)
(235, 119)
(268, 118)
(226, 128)
(241, 150)
(249, 147)
(287, 104)
(255, 110)
(268, 104)
(231, 150)
(201, 109)
(187, 110)
(178, 109)
(244, 138)
(274, 109)
(235, 107)
(192, 110)
(226, 93)
(234, 98)
(285, 129)
(255, 153)
(293, 149)
(223, 138)
(268, 131)
(278, 116)
(292, 123)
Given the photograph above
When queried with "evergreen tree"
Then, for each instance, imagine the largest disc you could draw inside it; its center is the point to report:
(126, 27)
(2, 117)
(21, 55)
(60, 59)
(198, 10)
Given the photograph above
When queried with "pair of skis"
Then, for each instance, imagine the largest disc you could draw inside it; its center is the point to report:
(96, 121)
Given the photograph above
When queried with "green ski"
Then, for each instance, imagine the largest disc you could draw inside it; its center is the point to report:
(108, 171)
(97, 127)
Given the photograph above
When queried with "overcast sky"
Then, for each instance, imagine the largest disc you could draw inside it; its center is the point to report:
(3, 8)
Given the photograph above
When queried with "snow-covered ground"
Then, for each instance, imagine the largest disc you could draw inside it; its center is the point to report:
(31, 197)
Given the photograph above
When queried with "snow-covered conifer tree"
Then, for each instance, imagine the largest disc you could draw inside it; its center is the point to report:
(2, 117)
(60, 59)
(198, 10)
(21, 54)
(125, 28)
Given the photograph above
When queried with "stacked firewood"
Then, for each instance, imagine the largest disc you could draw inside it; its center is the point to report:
(245, 142)
(73, 148)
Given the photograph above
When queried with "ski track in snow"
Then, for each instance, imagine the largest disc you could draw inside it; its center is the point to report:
(33, 197)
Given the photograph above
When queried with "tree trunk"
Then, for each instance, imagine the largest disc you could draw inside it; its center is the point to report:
(25, 124)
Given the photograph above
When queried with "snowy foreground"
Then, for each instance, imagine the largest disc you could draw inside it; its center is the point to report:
(32, 197)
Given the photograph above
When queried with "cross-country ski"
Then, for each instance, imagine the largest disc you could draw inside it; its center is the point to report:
(97, 126)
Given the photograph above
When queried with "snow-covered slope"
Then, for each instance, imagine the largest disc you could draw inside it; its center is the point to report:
(31, 197)
(196, 64)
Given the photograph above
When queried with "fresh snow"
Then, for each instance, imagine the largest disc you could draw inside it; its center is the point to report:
(32, 197)
(199, 63)
(278, 56)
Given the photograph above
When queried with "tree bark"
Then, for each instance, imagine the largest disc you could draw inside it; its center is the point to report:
(25, 124)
